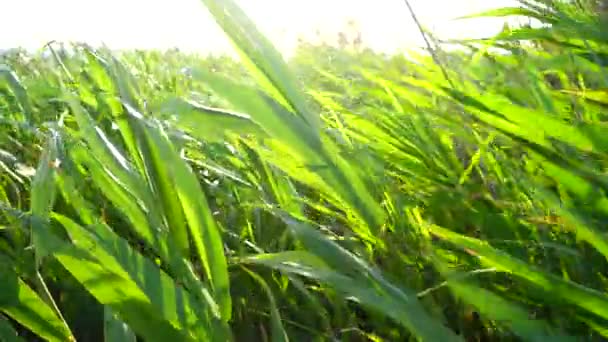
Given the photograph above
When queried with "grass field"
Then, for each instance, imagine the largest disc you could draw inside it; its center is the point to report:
(457, 195)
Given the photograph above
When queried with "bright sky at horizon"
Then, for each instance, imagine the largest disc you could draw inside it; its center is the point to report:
(385, 25)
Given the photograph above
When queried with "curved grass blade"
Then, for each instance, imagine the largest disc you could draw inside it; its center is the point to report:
(124, 201)
(530, 124)
(117, 178)
(272, 73)
(19, 302)
(505, 312)
(278, 332)
(208, 123)
(576, 221)
(43, 194)
(135, 288)
(406, 311)
(14, 84)
(600, 329)
(496, 308)
(203, 230)
(43, 189)
(116, 330)
(267, 113)
(310, 152)
(182, 271)
(162, 186)
(262, 59)
(329, 256)
(583, 297)
(106, 152)
(507, 12)
(100, 72)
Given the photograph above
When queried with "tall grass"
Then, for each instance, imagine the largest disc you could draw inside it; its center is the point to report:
(346, 195)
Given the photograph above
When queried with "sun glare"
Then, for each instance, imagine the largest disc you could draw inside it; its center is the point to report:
(384, 25)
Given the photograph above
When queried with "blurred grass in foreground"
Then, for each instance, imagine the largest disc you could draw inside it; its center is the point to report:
(346, 196)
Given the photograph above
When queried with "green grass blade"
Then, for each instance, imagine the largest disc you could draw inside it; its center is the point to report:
(320, 157)
(134, 287)
(43, 189)
(265, 112)
(583, 230)
(162, 185)
(207, 123)
(411, 312)
(116, 330)
(103, 75)
(43, 194)
(183, 271)
(507, 12)
(262, 59)
(272, 74)
(498, 309)
(278, 332)
(406, 311)
(117, 194)
(19, 302)
(203, 230)
(105, 151)
(7, 332)
(14, 84)
(586, 298)
(533, 125)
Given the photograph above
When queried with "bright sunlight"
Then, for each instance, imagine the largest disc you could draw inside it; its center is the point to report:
(385, 25)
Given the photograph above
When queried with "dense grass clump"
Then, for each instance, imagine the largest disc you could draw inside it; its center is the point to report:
(453, 196)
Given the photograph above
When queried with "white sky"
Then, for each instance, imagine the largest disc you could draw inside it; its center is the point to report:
(385, 24)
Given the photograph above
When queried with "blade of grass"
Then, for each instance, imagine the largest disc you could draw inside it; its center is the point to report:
(19, 302)
(7, 332)
(320, 156)
(208, 123)
(116, 330)
(261, 58)
(182, 270)
(43, 190)
(407, 312)
(583, 297)
(14, 84)
(278, 332)
(202, 227)
(496, 308)
(271, 72)
(134, 287)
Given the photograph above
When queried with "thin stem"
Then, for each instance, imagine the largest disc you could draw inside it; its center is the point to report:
(428, 44)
